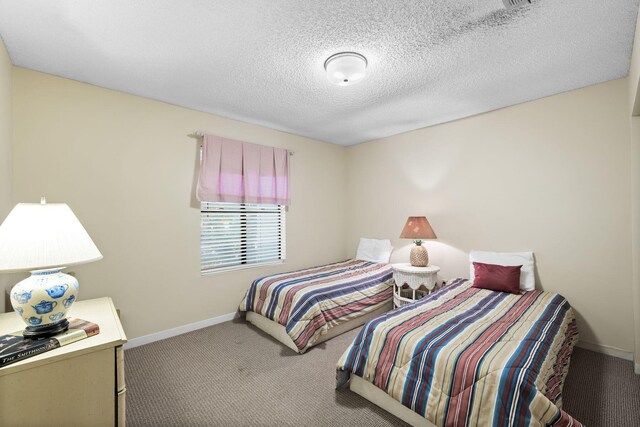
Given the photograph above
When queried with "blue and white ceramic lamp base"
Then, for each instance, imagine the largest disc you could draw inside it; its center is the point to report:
(42, 301)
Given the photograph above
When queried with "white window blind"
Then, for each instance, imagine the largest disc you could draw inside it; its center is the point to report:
(239, 235)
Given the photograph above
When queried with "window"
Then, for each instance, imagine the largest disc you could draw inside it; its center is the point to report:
(240, 235)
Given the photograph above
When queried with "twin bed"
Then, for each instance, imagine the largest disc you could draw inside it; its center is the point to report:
(306, 307)
(467, 356)
(461, 356)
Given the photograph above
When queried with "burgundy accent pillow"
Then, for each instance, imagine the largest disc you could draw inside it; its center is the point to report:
(497, 277)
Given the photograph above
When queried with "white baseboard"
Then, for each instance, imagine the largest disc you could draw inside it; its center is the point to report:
(605, 349)
(157, 336)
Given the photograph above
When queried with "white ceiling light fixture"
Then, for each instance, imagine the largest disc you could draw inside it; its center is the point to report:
(345, 68)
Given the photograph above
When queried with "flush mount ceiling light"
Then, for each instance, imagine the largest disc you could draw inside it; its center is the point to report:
(345, 68)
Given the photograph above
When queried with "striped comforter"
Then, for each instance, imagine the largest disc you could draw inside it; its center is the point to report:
(471, 357)
(310, 302)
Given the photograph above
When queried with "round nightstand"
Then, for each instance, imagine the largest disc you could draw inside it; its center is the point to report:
(414, 277)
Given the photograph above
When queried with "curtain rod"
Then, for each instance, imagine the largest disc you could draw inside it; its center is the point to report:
(199, 134)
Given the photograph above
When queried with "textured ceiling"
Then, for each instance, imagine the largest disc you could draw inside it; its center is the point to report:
(262, 61)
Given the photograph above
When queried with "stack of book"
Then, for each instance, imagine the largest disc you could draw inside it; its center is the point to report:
(14, 347)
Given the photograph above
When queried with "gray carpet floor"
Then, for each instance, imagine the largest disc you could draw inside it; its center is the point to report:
(232, 374)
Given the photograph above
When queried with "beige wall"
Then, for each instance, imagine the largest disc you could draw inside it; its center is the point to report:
(635, 165)
(634, 73)
(634, 102)
(126, 166)
(552, 176)
(5, 148)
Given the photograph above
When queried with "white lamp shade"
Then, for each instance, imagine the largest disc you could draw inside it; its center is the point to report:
(346, 68)
(37, 236)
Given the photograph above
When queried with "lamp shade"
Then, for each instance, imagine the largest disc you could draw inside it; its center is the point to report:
(417, 227)
(38, 236)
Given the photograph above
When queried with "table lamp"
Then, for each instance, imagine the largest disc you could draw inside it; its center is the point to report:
(418, 227)
(44, 238)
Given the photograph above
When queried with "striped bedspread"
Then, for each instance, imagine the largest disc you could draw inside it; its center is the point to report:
(310, 302)
(471, 357)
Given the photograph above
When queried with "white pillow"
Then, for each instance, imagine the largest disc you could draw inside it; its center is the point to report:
(374, 250)
(527, 277)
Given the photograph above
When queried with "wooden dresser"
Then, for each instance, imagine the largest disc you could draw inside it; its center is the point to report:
(80, 384)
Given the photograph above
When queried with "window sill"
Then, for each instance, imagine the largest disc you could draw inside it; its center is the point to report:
(239, 267)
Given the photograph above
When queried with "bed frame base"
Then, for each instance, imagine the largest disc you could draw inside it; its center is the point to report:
(279, 332)
(375, 395)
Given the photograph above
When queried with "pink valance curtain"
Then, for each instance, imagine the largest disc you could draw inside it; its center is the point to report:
(241, 172)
